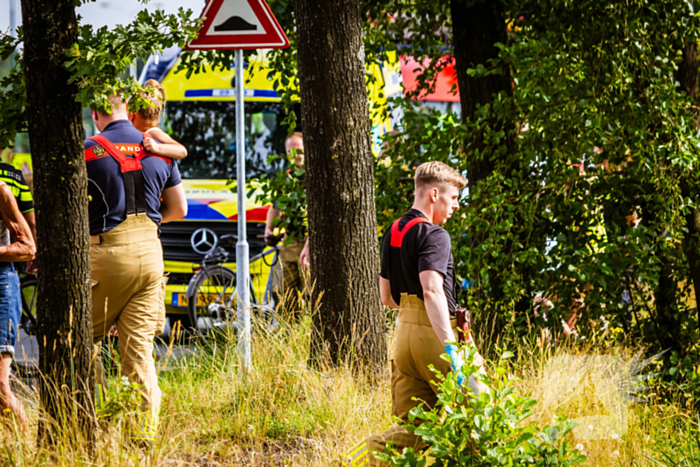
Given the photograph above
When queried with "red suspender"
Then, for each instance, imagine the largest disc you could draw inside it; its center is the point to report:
(134, 185)
(398, 235)
(96, 152)
(127, 164)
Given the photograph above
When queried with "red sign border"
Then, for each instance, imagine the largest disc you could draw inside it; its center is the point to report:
(240, 41)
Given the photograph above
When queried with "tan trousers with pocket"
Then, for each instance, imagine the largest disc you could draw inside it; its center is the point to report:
(293, 278)
(417, 347)
(129, 290)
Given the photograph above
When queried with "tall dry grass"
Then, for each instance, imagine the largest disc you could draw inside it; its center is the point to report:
(283, 412)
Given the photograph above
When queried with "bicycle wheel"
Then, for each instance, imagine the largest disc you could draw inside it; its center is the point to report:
(266, 316)
(214, 301)
(28, 289)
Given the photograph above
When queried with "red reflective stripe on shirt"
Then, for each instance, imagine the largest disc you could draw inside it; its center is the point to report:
(135, 149)
(398, 235)
(127, 164)
(90, 154)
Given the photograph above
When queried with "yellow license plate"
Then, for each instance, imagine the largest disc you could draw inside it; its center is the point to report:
(203, 299)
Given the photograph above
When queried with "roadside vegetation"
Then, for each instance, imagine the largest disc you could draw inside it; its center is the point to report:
(285, 413)
(583, 197)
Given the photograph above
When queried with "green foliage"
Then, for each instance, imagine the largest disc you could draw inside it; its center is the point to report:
(426, 134)
(96, 62)
(684, 452)
(286, 192)
(599, 92)
(424, 24)
(99, 57)
(603, 138)
(122, 398)
(12, 95)
(283, 63)
(487, 430)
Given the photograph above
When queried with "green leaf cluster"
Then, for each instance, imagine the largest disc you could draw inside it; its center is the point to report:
(286, 192)
(486, 430)
(13, 118)
(595, 170)
(99, 57)
(96, 63)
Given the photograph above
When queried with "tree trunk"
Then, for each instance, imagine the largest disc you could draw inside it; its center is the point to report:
(60, 182)
(688, 79)
(477, 26)
(349, 323)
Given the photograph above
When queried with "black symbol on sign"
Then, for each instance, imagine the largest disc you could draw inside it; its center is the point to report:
(235, 23)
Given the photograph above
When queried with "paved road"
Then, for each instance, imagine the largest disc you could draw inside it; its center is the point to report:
(27, 350)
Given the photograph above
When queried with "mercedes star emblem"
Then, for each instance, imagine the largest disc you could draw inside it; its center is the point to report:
(204, 241)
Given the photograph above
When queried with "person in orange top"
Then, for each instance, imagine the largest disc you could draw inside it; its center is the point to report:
(146, 120)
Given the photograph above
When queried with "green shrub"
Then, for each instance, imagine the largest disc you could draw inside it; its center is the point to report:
(122, 398)
(682, 452)
(464, 429)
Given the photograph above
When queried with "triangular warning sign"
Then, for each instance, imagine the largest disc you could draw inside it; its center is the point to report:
(239, 24)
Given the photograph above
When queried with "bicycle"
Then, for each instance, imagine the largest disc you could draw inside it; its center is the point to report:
(212, 291)
(28, 291)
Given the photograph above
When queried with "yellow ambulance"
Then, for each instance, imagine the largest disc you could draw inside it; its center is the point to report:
(200, 114)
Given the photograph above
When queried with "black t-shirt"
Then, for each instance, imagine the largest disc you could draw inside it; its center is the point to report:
(426, 247)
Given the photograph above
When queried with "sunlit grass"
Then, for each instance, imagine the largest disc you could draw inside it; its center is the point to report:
(283, 412)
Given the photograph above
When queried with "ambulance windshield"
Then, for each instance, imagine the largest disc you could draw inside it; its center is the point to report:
(208, 131)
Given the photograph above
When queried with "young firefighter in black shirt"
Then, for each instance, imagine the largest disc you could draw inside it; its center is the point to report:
(417, 277)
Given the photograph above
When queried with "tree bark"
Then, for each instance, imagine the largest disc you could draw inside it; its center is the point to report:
(477, 26)
(688, 79)
(349, 324)
(64, 305)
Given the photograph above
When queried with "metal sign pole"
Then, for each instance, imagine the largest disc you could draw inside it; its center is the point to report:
(242, 267)
(14, 15)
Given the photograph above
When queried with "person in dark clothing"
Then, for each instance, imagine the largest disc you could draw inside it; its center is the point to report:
(293, 275)
(131, 192)
(417, 277)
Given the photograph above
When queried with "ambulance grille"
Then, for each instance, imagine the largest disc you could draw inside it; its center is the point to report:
(176, 238)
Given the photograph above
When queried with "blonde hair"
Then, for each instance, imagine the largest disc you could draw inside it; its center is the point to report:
(150, 114)
(438, 173)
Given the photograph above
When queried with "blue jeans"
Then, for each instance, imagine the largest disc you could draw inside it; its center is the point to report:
(10, 308)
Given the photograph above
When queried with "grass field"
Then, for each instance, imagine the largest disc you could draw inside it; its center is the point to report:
(283, 413)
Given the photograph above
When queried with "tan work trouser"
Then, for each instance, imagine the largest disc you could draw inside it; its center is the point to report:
(128, 289)
(293, 279)
(417, 347)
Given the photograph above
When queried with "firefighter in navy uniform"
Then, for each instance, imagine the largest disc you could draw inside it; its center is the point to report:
(417, 277)
(131, 192)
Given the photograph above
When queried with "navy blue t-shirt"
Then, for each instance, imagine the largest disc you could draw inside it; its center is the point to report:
(107, 206)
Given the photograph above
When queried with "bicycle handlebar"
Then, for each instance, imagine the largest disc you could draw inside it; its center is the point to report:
(273, 240)
(220, 255)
